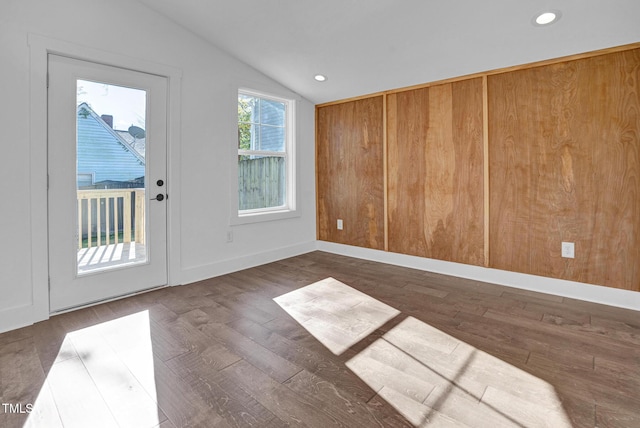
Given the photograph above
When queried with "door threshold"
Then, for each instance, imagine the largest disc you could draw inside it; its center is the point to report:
(110, 299)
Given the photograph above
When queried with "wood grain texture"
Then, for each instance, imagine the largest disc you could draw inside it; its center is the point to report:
(565, 166)
(350, 174)
(385, 171)
(501, 70)
(460, 353)
(485, 166)
(435, 172)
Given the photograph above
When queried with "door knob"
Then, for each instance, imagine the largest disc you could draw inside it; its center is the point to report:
(159, 197)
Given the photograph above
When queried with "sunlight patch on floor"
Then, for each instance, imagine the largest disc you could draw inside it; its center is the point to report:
(334, 313)
(103, 376)
(428, 376)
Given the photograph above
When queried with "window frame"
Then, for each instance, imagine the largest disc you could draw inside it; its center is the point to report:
(288, 209)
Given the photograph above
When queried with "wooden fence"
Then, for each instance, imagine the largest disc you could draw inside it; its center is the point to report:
(102, 213)
(261, 182)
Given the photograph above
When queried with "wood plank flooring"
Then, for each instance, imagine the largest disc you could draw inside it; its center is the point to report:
(324, 340)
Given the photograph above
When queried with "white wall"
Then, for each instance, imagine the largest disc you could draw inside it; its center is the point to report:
(202, 143)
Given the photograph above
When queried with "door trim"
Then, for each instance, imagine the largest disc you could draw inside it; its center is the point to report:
(40, 47)
(71, 284)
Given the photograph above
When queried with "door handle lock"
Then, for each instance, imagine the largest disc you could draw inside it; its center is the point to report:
(159, 197)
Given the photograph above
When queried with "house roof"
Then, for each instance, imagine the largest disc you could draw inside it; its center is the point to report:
(102, 153)
(138, 144)
(126, 144)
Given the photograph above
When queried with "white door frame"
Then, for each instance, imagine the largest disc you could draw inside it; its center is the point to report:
(68, 286)
(40, 48)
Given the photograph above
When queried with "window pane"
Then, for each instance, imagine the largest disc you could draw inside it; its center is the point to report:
(246, 106)
(111, 175)
(85, 180)
(254, 141)
(272, 139)
(261, 182)
(272, 112)
(245, 111)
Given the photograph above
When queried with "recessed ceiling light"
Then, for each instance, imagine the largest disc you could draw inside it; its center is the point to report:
(320, 77)
(547, 17)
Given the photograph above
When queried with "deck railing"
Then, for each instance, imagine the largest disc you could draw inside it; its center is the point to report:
(106, 212)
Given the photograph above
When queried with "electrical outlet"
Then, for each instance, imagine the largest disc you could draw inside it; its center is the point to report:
(340, 226)
(568, 250)
(229, 236)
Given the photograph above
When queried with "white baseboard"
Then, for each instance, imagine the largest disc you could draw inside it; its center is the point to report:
(222, 267)
(559, 287)
(14, 318)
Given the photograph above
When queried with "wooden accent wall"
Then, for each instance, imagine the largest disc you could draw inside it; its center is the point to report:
(565, 166)
(495, 169)
(435, 172)
(349, 154)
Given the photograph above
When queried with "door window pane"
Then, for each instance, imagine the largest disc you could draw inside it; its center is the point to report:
(111, 176)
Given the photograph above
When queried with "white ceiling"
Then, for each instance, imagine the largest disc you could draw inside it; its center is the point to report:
(366, 46)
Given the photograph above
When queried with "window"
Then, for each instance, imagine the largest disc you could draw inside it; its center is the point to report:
(265, 148)
(85, 179)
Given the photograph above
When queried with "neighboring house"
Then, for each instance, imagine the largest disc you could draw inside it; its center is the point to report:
(269, 134)
(137, 143)
(104, 158)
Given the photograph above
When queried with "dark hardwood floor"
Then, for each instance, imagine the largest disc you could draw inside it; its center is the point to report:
(324, 340)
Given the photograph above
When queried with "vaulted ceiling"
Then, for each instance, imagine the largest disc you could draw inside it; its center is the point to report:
(366, 46)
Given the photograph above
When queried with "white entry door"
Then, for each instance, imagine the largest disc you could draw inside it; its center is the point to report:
(107, 146)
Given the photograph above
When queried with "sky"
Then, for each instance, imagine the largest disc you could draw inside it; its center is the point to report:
(126, 105)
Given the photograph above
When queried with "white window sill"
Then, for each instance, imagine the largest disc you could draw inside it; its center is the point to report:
(258, 217)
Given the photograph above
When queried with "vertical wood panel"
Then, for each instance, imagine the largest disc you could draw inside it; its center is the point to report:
(485, 165)
(565, 166)
(350, 172)
(385, 182)
(435, 172)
